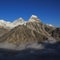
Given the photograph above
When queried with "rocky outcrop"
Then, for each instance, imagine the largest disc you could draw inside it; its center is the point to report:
(48, 28)
(56, 33)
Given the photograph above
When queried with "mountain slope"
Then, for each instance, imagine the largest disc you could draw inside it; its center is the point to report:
(22, 34)
(3, 31)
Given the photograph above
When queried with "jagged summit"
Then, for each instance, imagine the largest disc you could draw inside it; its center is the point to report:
(34, 18)
(19, 21)
(7, 24)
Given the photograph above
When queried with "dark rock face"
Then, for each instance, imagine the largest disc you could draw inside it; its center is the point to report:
(56, 33)
(49, 29)
(53, 31)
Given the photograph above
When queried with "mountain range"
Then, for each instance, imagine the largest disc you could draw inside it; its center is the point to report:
(19, 21)
(21, 32)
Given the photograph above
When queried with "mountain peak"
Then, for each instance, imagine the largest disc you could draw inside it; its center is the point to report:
(19, 20)
(34, 18)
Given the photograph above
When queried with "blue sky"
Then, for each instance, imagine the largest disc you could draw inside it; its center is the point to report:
(47, 10)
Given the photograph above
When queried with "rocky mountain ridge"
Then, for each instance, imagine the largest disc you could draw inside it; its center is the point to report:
(19, 21)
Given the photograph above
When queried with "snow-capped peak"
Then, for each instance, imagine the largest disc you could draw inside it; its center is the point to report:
(19, 21)
(7, 24)
(20, 18)
(34, 18)
(3, 23)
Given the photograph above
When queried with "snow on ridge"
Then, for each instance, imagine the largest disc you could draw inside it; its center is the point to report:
(34, 18)
(4, 23)
(17, 22)
(20, 21)
(7, 24)
(50, 25)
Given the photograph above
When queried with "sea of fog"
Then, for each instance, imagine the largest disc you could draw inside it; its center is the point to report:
(35, 51)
